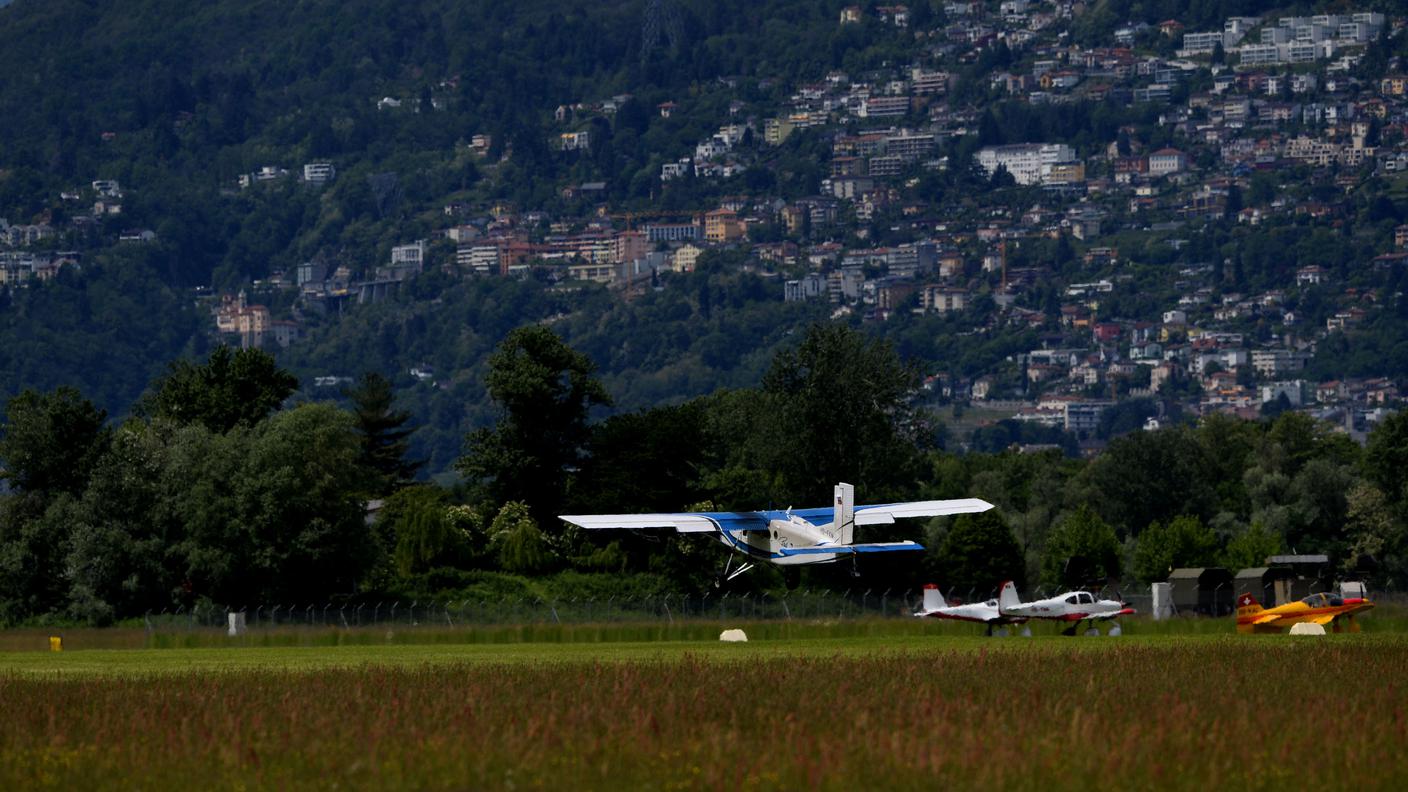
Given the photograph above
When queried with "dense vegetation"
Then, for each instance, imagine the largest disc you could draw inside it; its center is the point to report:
(216, 494)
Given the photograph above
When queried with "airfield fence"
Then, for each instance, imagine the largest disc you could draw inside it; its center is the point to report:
(802, 604)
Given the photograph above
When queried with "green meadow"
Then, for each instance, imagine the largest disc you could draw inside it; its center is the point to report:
(842, 705)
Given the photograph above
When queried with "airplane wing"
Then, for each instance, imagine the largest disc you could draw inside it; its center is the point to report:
(684, 522)
(1268, 618)
(1326, 619)
(887, 513)
(1113, 614)
(874, 547)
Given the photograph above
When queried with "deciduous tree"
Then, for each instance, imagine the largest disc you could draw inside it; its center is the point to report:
(545, 391)
(1081, 549)
(979, 553)
(232, 387)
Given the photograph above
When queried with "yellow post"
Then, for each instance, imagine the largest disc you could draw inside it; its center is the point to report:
(56, 643)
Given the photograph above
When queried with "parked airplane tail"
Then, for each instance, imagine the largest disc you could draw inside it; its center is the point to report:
(1007, 598)
(843, 522)
(1247, 605)
(933, 599)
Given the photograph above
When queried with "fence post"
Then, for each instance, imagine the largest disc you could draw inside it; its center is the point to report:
(392, 617)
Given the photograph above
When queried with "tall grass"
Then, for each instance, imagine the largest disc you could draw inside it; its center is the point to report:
(1233, 713)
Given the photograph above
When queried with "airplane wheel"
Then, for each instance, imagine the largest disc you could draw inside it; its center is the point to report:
(792, 577)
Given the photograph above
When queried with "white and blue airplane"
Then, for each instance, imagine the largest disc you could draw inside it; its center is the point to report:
(791, 537)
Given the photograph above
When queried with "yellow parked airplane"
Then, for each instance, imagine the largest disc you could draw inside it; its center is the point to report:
(1318, 608)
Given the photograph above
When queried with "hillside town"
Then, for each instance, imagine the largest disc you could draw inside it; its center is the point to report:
(1235, 115)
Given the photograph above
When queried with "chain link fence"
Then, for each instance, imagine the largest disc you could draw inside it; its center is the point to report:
(801, 604)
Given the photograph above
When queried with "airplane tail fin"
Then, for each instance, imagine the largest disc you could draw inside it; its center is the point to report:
(1007, 598)
(933, 599)
(1247, 610)
(843, 523)
(1247, 605)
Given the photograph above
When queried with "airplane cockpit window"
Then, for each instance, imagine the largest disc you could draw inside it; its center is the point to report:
(991, 603)
(1073, 600)
(1086, 598)
(1336, 602)
(1315, 600)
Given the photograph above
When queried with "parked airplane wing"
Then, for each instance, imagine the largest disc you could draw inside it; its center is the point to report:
(1113, 614)
(889, 512)
(684, 522)
(876, 547)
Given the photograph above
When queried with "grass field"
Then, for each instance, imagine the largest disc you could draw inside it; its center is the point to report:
(844, 705)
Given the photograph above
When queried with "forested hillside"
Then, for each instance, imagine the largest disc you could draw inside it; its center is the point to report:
(155, 151)
(175, 101)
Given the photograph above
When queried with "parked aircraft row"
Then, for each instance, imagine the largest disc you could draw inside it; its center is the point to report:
(1076, 608)
(1079, 607)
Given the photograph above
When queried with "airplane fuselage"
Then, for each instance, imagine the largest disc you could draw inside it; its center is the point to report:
(784, 532)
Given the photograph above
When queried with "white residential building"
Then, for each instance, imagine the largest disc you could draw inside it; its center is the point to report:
(319, 172)
(1029, 163)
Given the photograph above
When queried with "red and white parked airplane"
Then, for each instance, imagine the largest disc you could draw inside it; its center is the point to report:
(989, 613)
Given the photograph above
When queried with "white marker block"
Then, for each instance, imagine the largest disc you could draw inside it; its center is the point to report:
(1307, 628)
(733, 635)
(237, 624)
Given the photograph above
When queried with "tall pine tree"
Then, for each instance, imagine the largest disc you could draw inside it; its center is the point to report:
(383, 432)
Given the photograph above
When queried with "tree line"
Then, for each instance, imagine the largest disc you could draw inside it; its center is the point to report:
(219, 489)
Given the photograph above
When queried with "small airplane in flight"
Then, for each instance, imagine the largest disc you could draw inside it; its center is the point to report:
(791, 537)
(1319, 609)
(1076, 607)
(988, 613)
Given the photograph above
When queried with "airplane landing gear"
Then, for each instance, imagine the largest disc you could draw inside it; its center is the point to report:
(730, 572)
